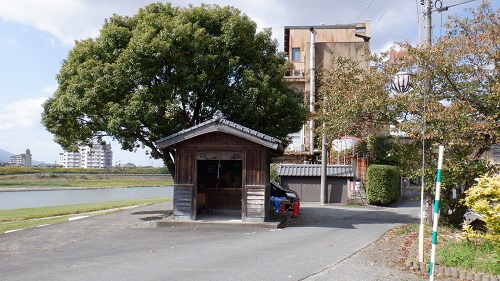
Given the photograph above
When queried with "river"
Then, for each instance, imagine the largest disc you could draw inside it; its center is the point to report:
(33, 199)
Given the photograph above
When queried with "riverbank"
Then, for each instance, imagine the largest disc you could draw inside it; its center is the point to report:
(52, 188)
(42, 182)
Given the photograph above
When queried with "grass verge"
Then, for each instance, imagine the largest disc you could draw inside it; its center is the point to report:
(483, 256)
(454, 250)
(33, 217)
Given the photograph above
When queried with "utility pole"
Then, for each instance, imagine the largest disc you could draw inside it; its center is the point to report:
(324, 162)
(312, 100)
(312, 92)
(428, 22)
(427, 44)
(427, 91)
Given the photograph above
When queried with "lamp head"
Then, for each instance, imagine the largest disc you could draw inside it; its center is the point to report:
(401, 82)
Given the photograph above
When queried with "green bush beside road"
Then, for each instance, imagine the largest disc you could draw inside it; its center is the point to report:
(383, 184)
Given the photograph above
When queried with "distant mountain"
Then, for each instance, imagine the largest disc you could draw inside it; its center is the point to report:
(5, 155)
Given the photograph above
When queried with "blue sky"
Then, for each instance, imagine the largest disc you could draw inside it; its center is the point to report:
(36, 36)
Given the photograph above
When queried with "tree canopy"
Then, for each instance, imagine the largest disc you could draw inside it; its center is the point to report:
(456, 90)
(168, 68)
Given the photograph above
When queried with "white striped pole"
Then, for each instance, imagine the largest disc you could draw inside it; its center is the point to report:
(436, 211)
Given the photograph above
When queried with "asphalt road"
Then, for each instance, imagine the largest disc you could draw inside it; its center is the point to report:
(324, 243)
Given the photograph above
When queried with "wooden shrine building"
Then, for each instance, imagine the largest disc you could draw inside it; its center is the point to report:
(221, 165)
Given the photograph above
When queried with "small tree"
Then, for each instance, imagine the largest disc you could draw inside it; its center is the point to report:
(458, 80)
(357, 101)
(383, 150)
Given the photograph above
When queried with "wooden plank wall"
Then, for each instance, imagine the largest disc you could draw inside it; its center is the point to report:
(183, 201)
(257, 180)
(185, 171)
(184, 192)
(255, 201)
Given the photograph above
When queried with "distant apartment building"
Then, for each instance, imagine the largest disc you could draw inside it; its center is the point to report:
(69, 159)
(23, 159)
(95, 156)
(493, 155)
(348, 40)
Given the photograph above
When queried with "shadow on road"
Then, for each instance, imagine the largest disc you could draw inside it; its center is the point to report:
(154, 214)
(335, 216)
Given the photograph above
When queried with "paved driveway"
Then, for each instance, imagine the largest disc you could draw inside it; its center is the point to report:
(325, 243)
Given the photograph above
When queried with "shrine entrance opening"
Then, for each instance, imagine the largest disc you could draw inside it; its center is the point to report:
(219, 184)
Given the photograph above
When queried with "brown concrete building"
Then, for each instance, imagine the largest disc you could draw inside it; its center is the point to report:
(329, 40)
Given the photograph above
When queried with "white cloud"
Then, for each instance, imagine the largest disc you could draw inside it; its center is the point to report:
(67, 20)
(51, 16)
(70, 20)
(49, 90)
(21, 114)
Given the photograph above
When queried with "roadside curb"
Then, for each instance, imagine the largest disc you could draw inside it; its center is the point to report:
(276, 222)
(446, 271)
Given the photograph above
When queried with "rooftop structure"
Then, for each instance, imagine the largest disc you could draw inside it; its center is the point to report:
(311, 49)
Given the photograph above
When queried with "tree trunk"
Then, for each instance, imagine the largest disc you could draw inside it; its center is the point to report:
(167, 160)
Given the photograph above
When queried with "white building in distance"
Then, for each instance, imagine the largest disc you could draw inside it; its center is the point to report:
(96, 156)
(69, 159)
(23, 159)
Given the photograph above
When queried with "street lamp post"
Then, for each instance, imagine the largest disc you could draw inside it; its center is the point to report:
(401, 83)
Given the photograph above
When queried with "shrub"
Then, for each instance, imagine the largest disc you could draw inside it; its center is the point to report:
(483, 199)
(383, 184)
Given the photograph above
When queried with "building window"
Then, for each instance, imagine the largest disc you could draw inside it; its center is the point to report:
(295, 54)
(496, 153)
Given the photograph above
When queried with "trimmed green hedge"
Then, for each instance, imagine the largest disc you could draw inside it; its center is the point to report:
(383, 184)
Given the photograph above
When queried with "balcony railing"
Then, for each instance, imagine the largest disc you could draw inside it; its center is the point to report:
(298, 69)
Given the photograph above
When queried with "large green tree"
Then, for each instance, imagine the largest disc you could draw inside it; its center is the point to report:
(458, 81)
(168, 68)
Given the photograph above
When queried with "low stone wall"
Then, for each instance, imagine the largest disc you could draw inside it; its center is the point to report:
(446, 271)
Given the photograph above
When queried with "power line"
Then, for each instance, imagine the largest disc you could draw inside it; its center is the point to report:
(388, 5)
(366, 8)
